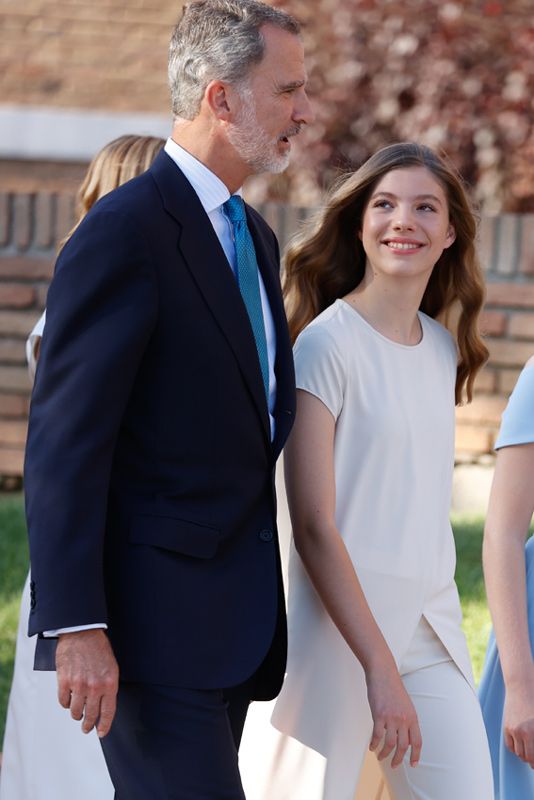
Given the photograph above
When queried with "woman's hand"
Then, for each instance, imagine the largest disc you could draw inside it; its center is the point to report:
(519, 718)
(394, 717)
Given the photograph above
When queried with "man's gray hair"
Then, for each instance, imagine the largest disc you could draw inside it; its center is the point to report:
(217, 40)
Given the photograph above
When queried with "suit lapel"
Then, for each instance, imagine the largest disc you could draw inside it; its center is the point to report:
(208, 265)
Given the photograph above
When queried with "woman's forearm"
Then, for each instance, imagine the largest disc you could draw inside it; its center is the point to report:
(504, 572)
(332, 573)
(509, 514)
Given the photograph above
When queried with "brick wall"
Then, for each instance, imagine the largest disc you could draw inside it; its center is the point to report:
(507, 251)
(107, 54)
(32, 224)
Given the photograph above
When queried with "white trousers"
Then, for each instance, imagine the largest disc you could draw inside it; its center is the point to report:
(455, 761)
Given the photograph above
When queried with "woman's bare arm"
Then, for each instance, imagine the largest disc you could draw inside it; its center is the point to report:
(509, 513)
(309, 472)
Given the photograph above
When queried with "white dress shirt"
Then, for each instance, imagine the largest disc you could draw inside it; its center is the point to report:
(212, 193)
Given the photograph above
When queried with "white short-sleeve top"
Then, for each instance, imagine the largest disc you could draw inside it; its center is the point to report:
(393, 458)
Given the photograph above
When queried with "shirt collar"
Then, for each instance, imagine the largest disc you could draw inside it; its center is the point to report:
(211, 191)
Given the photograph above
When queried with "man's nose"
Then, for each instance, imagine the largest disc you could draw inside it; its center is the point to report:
(303, 112)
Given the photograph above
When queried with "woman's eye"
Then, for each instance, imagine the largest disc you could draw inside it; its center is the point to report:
(382, 204)
(426, 207)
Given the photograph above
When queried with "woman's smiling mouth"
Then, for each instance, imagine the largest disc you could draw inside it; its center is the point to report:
(403, 245)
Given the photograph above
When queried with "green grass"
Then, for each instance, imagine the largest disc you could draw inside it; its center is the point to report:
(14, 564)
(13, 569)
(468, 532)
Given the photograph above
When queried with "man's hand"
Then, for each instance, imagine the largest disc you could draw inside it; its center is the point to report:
(88, 678)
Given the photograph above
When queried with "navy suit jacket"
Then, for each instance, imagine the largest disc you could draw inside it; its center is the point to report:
(149, 470)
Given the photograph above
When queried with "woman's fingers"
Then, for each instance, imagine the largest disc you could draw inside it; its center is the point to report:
(416, 740)
(395, 724)
(390, 741)
(397, 738)
(403, 741)
(520, 741)
(378, 734)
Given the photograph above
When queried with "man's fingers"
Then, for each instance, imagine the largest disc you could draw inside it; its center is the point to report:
(77, 703)
(92, 710)
(107, 712)
(88, 678)
(63, 692)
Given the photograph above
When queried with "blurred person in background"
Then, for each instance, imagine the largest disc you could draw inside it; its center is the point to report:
(43, 757)
(507, 685)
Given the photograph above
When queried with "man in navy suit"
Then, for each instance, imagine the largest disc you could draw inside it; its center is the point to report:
(164, 394)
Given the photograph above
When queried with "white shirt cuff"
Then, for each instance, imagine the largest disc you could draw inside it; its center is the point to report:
(75, 629)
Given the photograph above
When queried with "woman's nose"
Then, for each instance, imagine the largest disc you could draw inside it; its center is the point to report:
(403, 221)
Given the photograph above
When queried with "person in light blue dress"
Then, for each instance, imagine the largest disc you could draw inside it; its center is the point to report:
(507, 686)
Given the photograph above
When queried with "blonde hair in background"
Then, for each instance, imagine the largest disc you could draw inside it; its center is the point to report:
(118, 161)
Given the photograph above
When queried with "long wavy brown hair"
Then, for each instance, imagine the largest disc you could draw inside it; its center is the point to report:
(327, 260)
(118, 161)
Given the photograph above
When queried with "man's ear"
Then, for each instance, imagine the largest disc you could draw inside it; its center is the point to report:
(218, 98)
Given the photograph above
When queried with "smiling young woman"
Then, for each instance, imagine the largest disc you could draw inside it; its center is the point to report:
(405, 226)
(377, 658)
(328, 260)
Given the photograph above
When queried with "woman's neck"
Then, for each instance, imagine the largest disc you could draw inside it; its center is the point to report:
(390, 306)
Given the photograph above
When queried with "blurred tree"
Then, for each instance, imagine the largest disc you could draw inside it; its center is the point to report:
(458, 76)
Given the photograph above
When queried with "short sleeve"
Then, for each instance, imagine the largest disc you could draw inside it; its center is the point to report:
(320, 367)
(517, 426)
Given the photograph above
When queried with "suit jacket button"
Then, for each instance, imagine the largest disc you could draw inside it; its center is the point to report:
(266, 536)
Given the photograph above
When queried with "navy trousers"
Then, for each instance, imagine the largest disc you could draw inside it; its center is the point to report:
(169, 743)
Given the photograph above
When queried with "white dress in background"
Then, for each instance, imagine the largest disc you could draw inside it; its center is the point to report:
(394, 457)
(32, 344)
(45, 754)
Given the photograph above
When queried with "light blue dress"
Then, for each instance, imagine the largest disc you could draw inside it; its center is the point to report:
(514, 780)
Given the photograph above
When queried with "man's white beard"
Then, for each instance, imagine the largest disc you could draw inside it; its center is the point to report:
(252, 142)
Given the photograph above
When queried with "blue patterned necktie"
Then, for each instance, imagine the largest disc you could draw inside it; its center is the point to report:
(248, 280)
